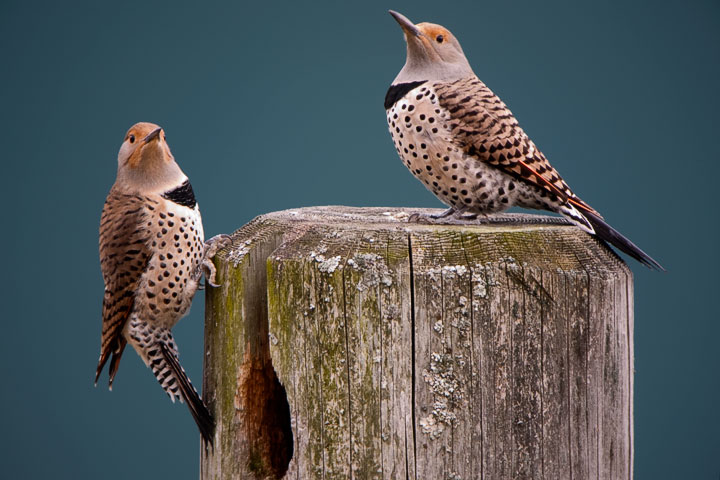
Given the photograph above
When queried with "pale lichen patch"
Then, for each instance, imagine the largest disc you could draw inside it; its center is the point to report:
(374, 271)
(237, 252)
(328, 265)
(440, 417)
(443, 383)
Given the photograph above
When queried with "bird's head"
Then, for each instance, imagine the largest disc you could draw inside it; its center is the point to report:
(144, 147)
(433, 53)
(145, 161)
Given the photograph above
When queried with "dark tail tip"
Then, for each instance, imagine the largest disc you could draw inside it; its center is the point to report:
(198, 410)
(612, 236)
(114, 354)
(115, 361)
(104, 356)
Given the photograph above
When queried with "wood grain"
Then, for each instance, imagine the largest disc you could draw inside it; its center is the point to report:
(406, 350)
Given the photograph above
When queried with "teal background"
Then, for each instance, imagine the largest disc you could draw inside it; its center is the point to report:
(275, 105)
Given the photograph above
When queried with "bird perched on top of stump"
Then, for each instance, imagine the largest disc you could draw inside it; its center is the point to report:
(458, 138)
(152, 257)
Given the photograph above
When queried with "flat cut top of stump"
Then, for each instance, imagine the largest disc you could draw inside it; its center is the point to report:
(533, 240)
(394, 217)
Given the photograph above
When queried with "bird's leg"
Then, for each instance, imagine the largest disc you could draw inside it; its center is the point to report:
(460, 216)
(444, 214)
(418, 217)
(211, 248)
(463, 214)
(451, 216)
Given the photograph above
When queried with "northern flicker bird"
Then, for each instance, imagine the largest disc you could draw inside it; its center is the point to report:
(458, 138)
(152, 256)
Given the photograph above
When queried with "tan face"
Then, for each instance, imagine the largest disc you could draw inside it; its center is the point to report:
(144, 146)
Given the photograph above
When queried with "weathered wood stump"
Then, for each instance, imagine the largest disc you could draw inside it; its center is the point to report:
(493, 351)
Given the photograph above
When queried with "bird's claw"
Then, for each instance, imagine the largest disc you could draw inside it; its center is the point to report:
(450, 216)
(466, 216)
(417, 217)
(430, 218)
(212, 246)
(450, 211)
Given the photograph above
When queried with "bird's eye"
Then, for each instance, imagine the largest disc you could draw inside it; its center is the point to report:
(164, 138)
(132, 138)
(439, 38)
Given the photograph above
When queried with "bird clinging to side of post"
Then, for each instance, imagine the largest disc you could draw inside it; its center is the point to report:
(458, 138)
(152, 256)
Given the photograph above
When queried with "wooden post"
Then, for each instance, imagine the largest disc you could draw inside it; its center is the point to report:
(492, 351)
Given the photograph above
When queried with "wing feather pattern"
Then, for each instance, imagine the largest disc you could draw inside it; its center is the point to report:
(485, 128)
(124, 254)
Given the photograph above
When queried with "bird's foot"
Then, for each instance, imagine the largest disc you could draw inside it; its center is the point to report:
(430, 218)
(446, 213)
(467, 219)
(451, 216)
(465, 216)
(211, 248)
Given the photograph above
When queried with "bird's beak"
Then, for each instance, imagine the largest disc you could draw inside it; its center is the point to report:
(152, 135)
(408, 27)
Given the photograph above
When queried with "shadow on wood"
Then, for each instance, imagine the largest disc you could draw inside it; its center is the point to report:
(494, 351)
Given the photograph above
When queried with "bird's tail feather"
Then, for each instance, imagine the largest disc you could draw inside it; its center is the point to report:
(115, 362)
(612, 236)
(176, 383)
(114, 354)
